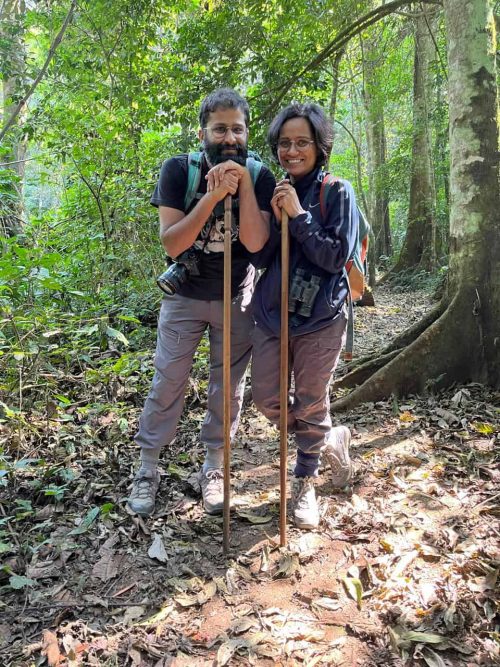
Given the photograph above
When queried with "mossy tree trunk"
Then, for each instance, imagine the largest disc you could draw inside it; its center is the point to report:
(463, 342)
(441, 162)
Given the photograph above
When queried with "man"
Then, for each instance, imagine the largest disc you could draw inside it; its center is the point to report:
(197, 301)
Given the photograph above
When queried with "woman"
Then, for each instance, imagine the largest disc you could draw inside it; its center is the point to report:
(301, 140)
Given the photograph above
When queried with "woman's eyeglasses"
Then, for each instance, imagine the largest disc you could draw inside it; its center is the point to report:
(300, 144)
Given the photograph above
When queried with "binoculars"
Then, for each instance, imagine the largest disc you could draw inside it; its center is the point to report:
(303, 293)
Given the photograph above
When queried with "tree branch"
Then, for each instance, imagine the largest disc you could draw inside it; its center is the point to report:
(339, 42)
(433, 37)
(35, 83)
(97, 199)
(26, 159)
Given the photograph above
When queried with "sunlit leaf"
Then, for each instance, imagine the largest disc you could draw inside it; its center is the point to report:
(240, 625)
(255, 518)
(157, 550)
(288, 565)
(159, 617)
(403, 563)
(387, 545)
(227, 650)
(355, 589)
(129, 318)
(327, 603)
(483, 427)
(114, 333)
(264, 558)
(49, 334)
(208, 591)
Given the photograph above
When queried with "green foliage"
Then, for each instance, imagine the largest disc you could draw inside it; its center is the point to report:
(419, 279)
(49, 329)
(120, 95)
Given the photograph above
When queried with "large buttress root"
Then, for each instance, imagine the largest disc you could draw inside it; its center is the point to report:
(439, 355)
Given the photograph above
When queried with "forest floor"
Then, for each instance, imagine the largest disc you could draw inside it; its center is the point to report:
(402, 570)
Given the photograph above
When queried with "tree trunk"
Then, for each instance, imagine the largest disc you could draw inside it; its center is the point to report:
(376, 144)
(441, 174)
(463, 344)
(335, 83)
(418, 249)
(14, 146)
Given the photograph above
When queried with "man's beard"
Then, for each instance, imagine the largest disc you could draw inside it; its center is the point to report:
(217, 153)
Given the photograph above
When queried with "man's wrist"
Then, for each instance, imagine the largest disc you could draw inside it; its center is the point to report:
(212, 198)
(245, 180)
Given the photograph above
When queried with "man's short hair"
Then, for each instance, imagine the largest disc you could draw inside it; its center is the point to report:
(319, 122)
(223, 98)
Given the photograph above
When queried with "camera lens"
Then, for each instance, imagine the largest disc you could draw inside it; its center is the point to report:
(170, 281)
(165, 285)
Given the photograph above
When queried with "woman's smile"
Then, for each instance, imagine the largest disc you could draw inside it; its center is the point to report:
(297, 162)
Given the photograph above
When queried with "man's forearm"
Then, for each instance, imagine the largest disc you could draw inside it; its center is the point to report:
(254, 226)
(178, 237)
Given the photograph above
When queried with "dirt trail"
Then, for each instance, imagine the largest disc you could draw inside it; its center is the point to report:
(402, 570)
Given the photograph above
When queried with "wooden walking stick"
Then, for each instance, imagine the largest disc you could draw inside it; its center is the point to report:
(226, 369)
(284, 373)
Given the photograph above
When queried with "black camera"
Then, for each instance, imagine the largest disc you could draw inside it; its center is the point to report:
(186, 264)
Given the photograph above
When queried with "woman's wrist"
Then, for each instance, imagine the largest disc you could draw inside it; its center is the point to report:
(299, 215)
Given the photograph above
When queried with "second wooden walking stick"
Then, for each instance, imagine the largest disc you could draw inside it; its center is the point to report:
(284, 373)
(226, 370)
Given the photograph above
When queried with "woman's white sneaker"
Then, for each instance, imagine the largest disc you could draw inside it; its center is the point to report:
(305, 505)
(336, 454)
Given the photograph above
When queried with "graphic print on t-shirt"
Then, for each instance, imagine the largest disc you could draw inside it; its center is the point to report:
(211, 237)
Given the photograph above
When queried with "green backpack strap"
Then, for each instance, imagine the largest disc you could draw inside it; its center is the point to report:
(254, 165)
(194, 176)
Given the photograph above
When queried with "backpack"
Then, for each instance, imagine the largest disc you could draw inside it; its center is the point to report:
(253, 164)
(356, 264)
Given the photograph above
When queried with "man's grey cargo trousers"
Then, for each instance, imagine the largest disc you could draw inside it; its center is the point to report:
(181, 325)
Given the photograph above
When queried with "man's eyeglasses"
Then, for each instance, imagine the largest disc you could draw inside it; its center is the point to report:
(300, 144)
(220, 131)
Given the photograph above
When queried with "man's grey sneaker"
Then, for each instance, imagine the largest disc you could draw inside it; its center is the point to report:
(212, 490)
(142, 499)
(305, 505)
(336, 454)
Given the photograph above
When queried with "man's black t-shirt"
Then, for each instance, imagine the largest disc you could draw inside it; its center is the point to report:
(170, 191)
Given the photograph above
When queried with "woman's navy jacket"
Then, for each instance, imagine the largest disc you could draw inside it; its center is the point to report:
(320, 247)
